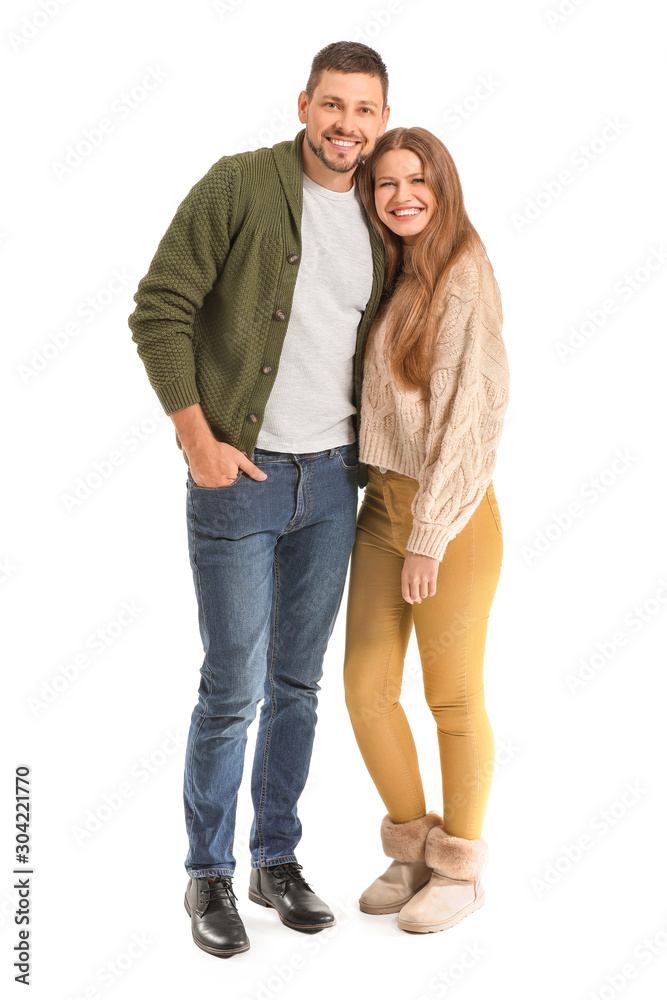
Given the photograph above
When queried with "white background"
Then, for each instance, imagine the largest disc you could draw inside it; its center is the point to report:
(536, 92)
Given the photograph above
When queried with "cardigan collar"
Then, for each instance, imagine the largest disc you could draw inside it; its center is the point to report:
(288, 157)
(289, 164)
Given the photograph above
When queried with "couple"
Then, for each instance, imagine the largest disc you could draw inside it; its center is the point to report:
(286, 274)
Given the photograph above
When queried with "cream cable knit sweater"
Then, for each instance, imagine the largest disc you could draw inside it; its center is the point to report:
(447, 438)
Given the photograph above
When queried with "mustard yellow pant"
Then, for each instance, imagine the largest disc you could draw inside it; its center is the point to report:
(451, 631)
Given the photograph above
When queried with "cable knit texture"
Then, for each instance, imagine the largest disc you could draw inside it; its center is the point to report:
(445, 438)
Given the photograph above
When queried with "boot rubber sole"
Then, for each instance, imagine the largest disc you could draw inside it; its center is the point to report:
(219, 953)
(306, 928)
(415, 928)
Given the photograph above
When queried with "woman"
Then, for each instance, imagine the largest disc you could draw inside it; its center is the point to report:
(429, 543)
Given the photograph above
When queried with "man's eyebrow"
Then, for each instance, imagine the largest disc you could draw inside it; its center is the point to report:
(339, 100)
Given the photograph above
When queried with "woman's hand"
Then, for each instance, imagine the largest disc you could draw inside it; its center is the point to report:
(418, 577)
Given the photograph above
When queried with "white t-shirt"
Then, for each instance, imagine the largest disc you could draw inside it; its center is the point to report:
(311, 403)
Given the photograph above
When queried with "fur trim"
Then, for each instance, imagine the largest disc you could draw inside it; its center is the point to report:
(406, 841)
(456, 857)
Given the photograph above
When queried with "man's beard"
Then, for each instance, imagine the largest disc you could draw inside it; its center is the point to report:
(340, 168)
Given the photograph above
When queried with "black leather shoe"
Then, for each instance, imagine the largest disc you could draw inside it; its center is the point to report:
(216, 925)
(285, 889)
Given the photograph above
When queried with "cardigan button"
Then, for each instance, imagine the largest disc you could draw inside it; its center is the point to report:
(292, 258)
(267, 369)
(252, 417)
(382, 468)
(280, 314)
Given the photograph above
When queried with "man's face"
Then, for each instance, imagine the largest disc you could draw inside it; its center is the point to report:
(343, 119)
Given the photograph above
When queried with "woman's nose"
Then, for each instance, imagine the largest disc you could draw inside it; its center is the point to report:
(403, 193)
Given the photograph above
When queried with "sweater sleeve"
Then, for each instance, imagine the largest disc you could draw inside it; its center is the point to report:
(187, 262)
(469, 395)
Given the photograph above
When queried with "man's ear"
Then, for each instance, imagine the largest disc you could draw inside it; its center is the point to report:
(302, 107)
(385, 119)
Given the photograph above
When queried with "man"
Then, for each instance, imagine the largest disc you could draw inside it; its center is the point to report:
(251, 323)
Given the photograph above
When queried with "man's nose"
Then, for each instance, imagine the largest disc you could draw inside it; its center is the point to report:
(345, 123)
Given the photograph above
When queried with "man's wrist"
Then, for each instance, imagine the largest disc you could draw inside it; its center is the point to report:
(193, 430)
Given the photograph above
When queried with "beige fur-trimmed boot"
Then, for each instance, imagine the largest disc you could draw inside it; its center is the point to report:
(408, 872)
(455, 888)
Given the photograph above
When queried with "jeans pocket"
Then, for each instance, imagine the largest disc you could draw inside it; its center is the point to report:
(399, 492)
(212, 489)
(493, 504)
(349, 460)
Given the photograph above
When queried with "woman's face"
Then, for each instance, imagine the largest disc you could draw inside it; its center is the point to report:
(402, 199)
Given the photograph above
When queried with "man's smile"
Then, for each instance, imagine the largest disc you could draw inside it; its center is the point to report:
(338, 142)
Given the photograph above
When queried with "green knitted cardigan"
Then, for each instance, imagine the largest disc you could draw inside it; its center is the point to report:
(213, 309)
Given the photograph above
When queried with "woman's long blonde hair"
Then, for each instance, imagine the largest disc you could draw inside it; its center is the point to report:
(416, 287)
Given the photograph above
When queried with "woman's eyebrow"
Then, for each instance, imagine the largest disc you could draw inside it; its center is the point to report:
(389, 177)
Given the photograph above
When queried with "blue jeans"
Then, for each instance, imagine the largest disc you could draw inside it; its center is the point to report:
(269, 561)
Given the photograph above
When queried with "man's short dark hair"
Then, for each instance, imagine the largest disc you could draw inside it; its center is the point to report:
(348, 57)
